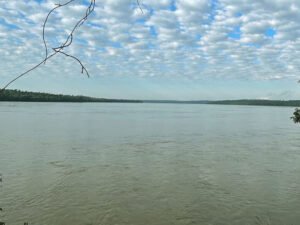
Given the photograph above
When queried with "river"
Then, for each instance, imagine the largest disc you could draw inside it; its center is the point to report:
(148, 164)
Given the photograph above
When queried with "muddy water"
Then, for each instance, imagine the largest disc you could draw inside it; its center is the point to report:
(154, 164)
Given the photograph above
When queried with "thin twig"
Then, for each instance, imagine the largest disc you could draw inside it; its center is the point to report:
(69, 39)
(67, 43)
(59, 49)
(138, 2)
(82, 66)
(45, 22)
(28, 71)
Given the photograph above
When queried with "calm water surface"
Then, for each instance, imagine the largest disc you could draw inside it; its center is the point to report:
(148, 164)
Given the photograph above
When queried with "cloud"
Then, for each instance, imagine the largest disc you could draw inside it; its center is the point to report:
(194, 39)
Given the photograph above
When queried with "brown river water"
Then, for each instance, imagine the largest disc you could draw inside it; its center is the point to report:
(148, 164)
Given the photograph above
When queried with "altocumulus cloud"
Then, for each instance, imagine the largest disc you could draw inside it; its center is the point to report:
(194, 39)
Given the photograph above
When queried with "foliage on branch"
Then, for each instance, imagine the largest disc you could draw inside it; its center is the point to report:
(296, 116)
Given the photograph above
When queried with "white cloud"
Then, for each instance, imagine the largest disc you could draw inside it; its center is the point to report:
(185, 38)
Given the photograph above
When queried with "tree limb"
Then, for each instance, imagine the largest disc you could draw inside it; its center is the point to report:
(66, 44)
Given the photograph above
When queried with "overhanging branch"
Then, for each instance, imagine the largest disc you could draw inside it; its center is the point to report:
(67, 43)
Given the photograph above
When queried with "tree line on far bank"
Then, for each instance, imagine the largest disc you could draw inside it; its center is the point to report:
(26, 96)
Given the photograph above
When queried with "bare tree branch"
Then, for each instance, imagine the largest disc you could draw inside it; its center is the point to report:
(59, 49)
(75, 58)
(69, 39)
(67, 43)
(28, 71)
(138, 2)
(45, 22)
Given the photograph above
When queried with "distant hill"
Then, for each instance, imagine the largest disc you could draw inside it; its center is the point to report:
(26, 96)
(176, 101)
(294, 103)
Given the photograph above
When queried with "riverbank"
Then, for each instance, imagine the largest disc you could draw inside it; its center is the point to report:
(27, 96)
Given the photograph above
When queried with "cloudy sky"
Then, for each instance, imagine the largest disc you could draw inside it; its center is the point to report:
(175, 49)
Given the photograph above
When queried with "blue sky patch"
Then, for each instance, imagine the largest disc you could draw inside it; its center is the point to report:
(270, 32)
(238, 14)
(235, 34)
(8, 25)
(173, 6)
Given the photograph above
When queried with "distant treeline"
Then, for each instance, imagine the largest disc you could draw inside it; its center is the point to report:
(26, 96)
(175, 101)
(293, 103)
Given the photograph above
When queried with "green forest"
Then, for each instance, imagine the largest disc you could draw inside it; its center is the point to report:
(26, 96)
